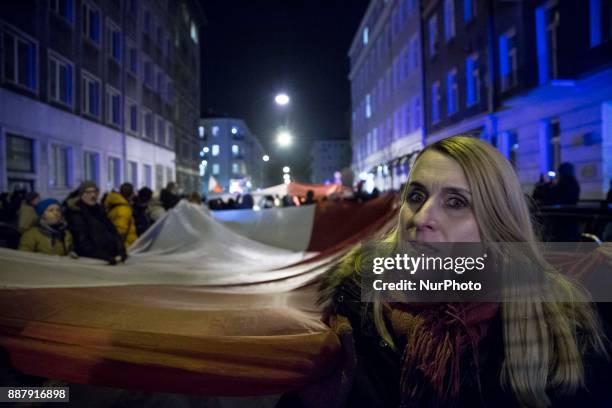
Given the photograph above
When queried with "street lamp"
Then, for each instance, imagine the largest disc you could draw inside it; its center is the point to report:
(282, 99)
(284, 139)
(265, 158)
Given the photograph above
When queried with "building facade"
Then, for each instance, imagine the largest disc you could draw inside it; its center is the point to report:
(328, 159)
(386, 91)
(230, 154)
(97, 90)
(533, 78)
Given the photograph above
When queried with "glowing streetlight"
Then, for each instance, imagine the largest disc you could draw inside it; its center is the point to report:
(284, 139)
(281, 99)
(286, 169)
(265, 158)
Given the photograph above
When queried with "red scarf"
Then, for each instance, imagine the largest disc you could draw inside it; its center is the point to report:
(437, 335)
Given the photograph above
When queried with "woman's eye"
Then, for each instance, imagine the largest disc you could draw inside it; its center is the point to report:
(416, 197)
(456, 203)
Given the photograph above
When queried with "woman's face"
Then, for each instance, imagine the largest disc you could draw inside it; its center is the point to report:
(438, 206)
(53, 214)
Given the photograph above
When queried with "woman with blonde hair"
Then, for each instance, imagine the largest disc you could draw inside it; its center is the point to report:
(534, 351)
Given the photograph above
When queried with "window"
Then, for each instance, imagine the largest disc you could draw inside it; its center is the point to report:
(365, 35)
(148, 126)
(416, 112)
(235, 168)
(169, 174)
(469, 10)
(19, 55)
(201, 132)
(132, 116)
(58, 169)
(159, 175)
(368, 107)
(132, 56)
(132, 173)
(554, 145)
(435, 102)
(160, 85)
(405, 62)
(63, 8)
(19, 153)
(449, 19)
(508, 64)
(160, 37)
(113, 39)
(169, 91)
(452, 92)
(472, 77)
(170, 143)
(547, 25)
(433, 35)
(215, 131)
(91, 95)
(91, 23)
(147, 23)
(60, 80)
(91, 166)
(406, 122)
(414, 52)
(148, 73)
(148, 175)
(235, 150)
(113, 106)
(215, 169)
(600, 21)
(113, 173)
(161, 131)
(215, 150)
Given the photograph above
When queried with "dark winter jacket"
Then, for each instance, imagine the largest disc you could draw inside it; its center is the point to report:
(168, 199)
(376, 375)
(93, 233)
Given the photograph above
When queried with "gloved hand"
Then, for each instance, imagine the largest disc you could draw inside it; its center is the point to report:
(332, 391)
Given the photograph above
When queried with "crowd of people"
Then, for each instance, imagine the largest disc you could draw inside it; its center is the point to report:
(83, 224)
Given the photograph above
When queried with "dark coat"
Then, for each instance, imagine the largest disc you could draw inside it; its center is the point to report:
(93, 234)
(168, 199)
(378, 367)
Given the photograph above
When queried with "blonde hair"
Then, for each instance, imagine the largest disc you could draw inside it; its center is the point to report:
(541, 346)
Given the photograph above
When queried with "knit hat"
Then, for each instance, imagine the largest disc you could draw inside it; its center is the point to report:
(42, 206)
(85, 185)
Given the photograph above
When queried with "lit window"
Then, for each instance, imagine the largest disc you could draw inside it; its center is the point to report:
(60, 80)
(91, 23)
(452, 91)
(215, 169)
(508, 64)
(215, 131)
(433, 35)
(58, 177)
(215, 150)
(201, 131)
(114, 42)
(365, 35)
(91, 95)
(19, 55)
(449, 19)
(435, 102)
(472, 76)
(235, 150)
(235, 168)
(113, 106)
(368, 107)
(469, 10)
(64, 8)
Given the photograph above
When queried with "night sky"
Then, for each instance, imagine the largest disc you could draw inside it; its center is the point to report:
(253, 49)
